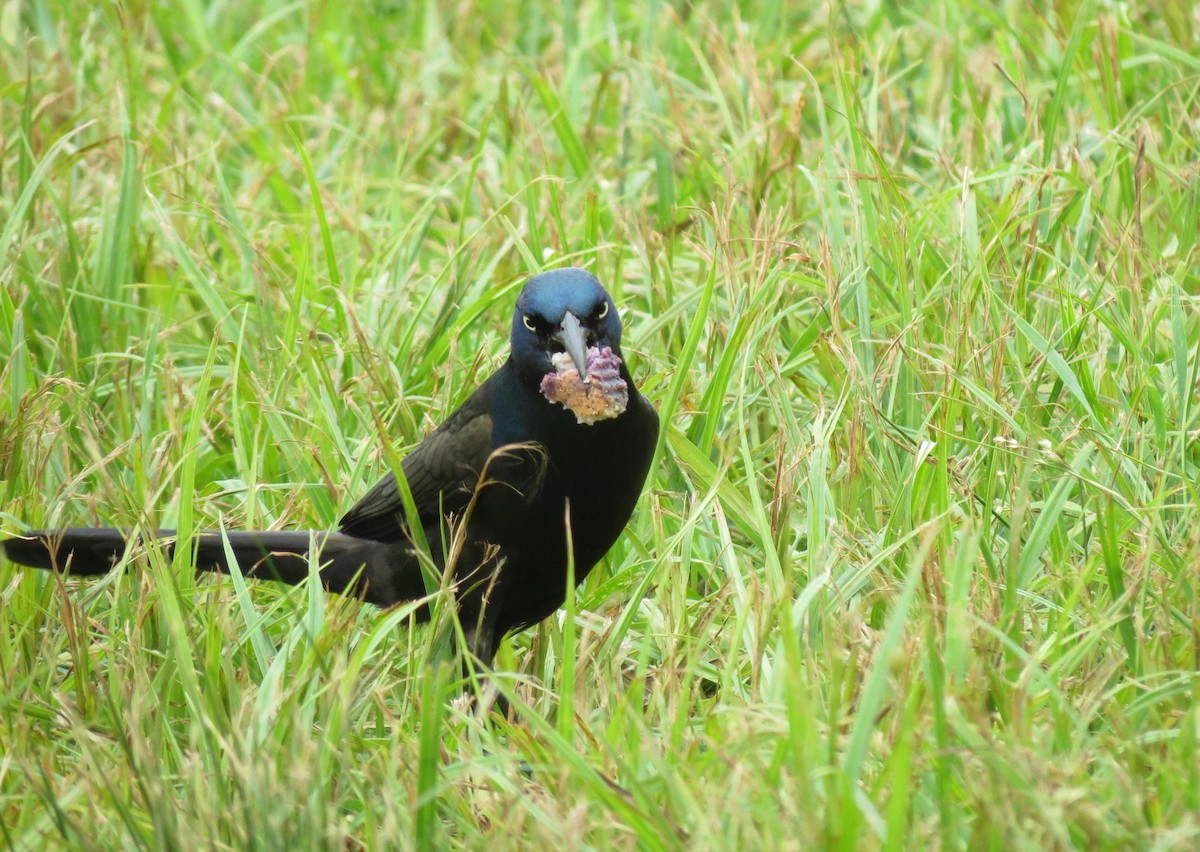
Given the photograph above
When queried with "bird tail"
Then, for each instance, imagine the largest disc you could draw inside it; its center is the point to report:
(83, 552)
(378, 572)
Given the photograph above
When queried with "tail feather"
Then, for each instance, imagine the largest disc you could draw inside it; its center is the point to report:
(82, 551)
(380, 573)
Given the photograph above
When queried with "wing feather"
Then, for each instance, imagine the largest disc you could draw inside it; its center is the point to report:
(442, 473)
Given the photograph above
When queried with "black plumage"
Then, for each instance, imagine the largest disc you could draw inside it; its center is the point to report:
(497, 488)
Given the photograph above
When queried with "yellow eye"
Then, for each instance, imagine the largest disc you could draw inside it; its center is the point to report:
(528, 323)
(603, 312)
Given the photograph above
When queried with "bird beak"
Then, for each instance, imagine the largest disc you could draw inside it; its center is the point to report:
(570, 335)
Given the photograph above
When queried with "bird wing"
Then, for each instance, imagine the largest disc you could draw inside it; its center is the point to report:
(441, 472)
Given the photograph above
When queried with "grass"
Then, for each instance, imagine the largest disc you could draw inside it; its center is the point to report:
(913, 286)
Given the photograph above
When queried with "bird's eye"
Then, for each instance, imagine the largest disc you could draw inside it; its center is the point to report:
(602, 311)
(528, 322)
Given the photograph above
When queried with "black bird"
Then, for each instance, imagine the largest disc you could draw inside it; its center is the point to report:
(553, 447)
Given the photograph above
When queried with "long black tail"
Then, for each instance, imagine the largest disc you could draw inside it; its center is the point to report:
(380, 573)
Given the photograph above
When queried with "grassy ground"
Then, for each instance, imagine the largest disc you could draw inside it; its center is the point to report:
(913, 287)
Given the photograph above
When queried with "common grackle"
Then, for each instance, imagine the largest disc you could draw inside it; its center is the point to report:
(553, 447)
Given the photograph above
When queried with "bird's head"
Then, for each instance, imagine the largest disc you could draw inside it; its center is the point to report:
(564, 310)
(566, 340)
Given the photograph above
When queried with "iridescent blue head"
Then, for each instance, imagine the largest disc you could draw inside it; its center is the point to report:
(564, 310)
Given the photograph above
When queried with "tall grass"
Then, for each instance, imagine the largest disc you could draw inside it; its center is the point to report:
(913, 287)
